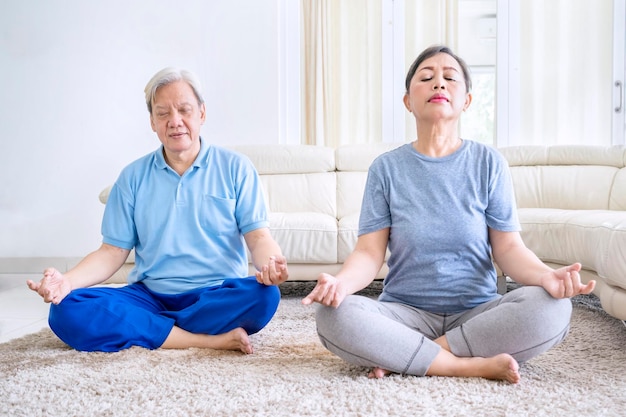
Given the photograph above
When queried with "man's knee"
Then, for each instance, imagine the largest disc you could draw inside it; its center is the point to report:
(67, 321)
(265, 306)
(269, 298)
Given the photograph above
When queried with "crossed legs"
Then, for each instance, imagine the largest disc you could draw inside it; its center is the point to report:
(112, 319)
(488, 341)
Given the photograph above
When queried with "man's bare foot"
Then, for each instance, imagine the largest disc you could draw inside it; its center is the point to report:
(378, 373)
(236, 339)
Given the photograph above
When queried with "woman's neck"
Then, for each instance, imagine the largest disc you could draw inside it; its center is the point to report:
(437, 140)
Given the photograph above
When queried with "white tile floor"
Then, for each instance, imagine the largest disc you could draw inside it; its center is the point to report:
(22, 311)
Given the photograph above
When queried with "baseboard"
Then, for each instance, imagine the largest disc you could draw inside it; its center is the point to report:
(33, 265)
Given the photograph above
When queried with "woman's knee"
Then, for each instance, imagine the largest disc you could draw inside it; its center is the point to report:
(547, 310)
(553, 307)
(335, 321)
(335, 327)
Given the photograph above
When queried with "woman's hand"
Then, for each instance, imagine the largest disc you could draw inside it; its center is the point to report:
(328, 291)
(565, 282)
(53, 287)
(274, 272)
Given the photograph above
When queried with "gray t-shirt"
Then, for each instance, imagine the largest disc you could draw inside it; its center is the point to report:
(438, 211)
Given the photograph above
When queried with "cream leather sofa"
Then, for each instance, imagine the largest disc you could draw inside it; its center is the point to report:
(572, 202)
(572, 206)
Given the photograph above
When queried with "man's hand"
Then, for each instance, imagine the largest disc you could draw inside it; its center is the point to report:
(53, 287)
(565, 282)
(328, 291)
(274, 272)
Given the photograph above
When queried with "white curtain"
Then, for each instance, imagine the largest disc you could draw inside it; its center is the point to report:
(565, 72)
(342, 53)
(426, 23)
(341, 71)
(565, 68)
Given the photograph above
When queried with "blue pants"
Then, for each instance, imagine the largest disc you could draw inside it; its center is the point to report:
(112, 319)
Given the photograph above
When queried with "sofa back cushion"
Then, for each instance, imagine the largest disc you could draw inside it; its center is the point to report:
(568, 177)
(353, 162)
(299, 182)
(572, 187)
(295, 178)
(618, 192)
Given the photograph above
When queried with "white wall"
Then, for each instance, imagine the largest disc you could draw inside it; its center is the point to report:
(72, 108)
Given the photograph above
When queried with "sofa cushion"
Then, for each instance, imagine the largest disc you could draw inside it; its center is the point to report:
(553, 186)
(289, 159)
(618, 192)
(305, 237)
(353, 162)
(348, 228)
(565, 155)
(595, 238)
(360, 157)
(293, 193)
(350, 188)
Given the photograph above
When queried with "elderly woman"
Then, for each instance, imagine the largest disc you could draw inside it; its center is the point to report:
(443, 206)
(187, 208)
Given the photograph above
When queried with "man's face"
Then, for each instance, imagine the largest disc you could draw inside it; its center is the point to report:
(177, 118)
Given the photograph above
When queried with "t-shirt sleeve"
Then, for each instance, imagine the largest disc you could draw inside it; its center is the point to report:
(375, 212)
(501, 211)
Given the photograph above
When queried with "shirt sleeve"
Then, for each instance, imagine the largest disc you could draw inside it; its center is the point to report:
(118, 227)
(251, 208)
(501, 211)
(375, 212)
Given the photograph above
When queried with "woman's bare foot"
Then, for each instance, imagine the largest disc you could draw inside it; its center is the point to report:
(236, 339)
(500, 367)
(378, 373)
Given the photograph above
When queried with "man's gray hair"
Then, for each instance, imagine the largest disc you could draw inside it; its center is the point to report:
(167, 76)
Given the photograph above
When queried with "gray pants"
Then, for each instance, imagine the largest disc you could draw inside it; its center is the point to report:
(524, 323)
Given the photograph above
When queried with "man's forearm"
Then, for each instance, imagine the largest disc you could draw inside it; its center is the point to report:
(97, 267)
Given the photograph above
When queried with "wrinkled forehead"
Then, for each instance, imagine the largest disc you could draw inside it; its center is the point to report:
(178, 92)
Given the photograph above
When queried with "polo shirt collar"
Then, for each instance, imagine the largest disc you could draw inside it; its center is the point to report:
(200, 161)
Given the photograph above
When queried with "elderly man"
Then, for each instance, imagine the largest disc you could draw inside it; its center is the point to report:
(189, 209)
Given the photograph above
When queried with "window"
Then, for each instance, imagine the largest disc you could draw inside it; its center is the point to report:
(541, 71)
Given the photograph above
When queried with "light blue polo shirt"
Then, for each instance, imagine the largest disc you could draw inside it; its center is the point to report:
(187, 231)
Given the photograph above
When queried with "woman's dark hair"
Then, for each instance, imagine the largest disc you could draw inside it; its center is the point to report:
(432, 51)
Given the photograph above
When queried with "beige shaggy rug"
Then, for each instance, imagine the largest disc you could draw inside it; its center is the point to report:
(291, 374)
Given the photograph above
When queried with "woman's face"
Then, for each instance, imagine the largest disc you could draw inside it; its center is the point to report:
(437, 90)
(177, 118)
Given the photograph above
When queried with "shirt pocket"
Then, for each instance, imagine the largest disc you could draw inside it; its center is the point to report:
(217, 215)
